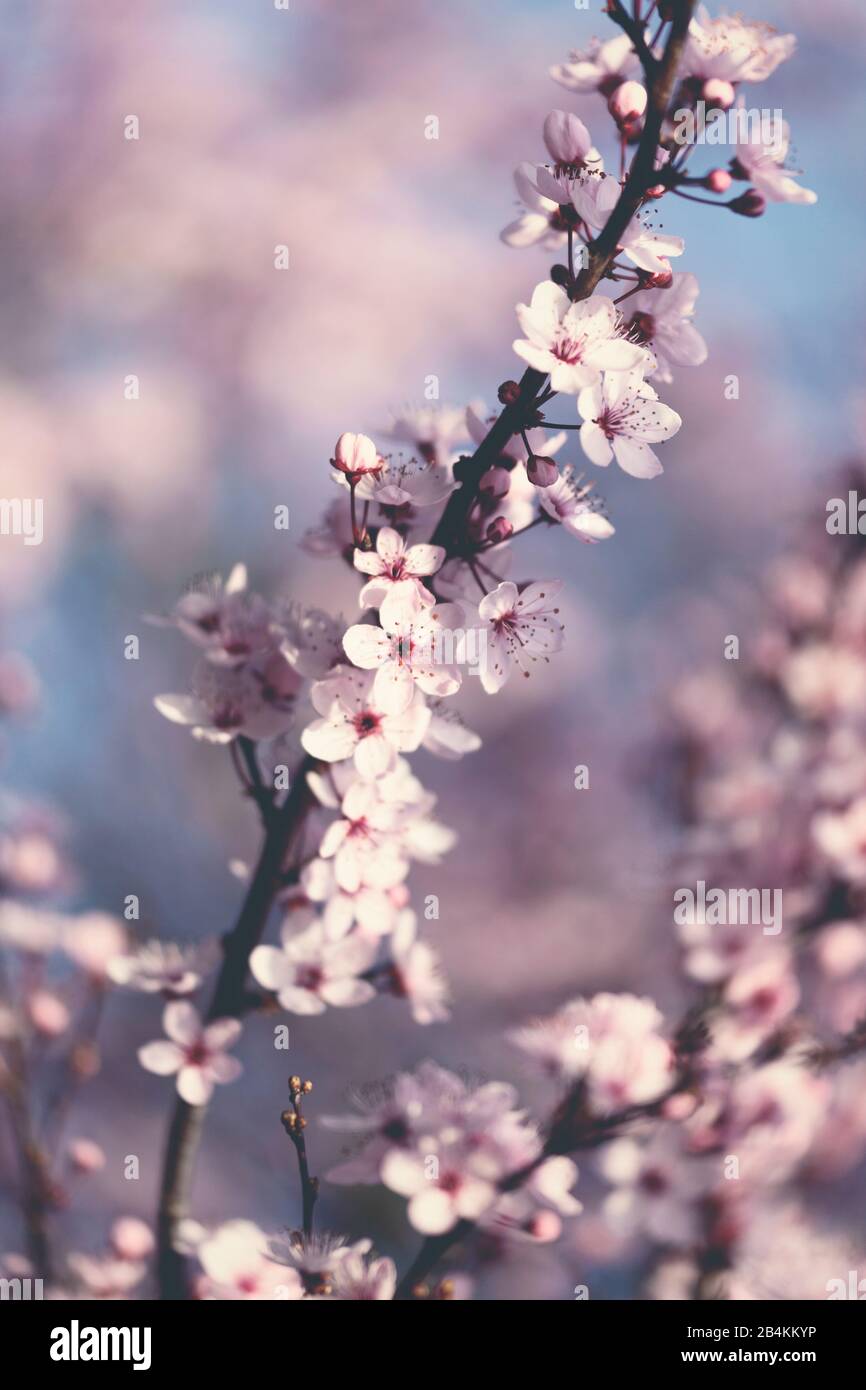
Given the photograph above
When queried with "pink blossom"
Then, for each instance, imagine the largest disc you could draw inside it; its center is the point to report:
(354, 725)
(733, 48)
(522, 627)
(600, 67)
(394, 563)
(311, 972)
(570, 502)
(621, 418)
(194, 1052)
(574, 343)
(234, 1260)
(406, 650)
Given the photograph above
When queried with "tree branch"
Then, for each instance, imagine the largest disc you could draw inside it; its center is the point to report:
(660, 80)
(228, 1000)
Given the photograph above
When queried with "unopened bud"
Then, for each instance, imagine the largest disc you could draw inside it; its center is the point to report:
(719, 93)
(560, 275)
(658, 190)
(499, 530)
(749, 204)
(495, 482)
(541, 471)
(294, 1083)
(718, 181)
(509, 392)
(628, 103)
(308, 1086)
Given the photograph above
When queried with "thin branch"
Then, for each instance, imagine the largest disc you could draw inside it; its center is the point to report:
(294, 1124)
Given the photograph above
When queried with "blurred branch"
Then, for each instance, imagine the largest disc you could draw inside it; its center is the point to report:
(229, 1000)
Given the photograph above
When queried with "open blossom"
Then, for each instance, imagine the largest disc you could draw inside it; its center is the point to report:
(357, 1276)
(612, 1040)
(522, 628)
(574, 343)
(841, 837)
(416, 973)
(542, 224)
(194, 1051)
(393, 563)
(662, 320)
(762, 160)
(311, 972)
(225, 702)
(621, 419)
(445, 1186)
(373, 911)
(570, 502)
(595, 198)
(354, 725)
(407, 650)
(223, 618)
(236, 1266)
(601, 67)
(532, 1211)
(402, 483)
(433, 430)
(734, 49)
(658, 1186)
(363, 843)
(164, 967)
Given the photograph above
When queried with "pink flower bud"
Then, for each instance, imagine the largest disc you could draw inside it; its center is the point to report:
(749, 204)
(499, 530)
(86, 1155)
(628, 103)
(658, 190)
(132, 1239)
(718, 181)
(719, 93)
(495, 482)
(48, 1014)
(541, 471)
(680, 1106)
(356, 455)
(545, 1227)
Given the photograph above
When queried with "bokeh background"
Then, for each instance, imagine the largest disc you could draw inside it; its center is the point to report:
(155, 257)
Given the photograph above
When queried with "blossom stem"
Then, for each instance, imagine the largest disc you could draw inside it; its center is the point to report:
(184, 1136)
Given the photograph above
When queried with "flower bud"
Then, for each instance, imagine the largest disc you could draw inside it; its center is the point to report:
(132, 1239)
(48, 1014)
(658, 190)
(719, 93)
(628, 103)
(86, 1155)
(718, 181)
(495, 482)
(749, 204)
(560, 275)
(541, 471)
(356, 455)
(509, 392)
(499, 530)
